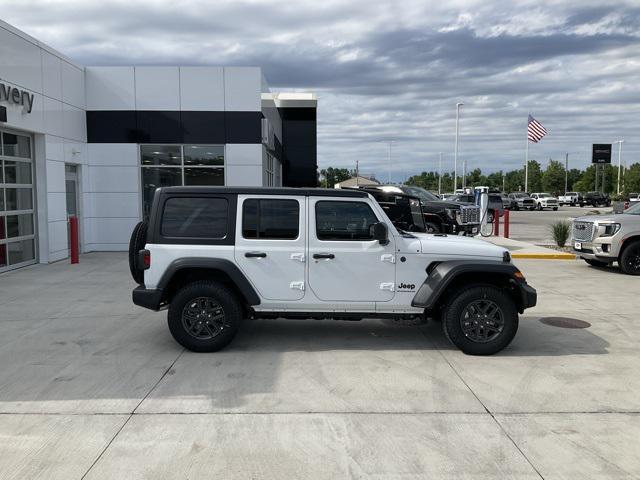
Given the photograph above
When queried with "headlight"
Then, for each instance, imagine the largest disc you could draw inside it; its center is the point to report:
(610, 229)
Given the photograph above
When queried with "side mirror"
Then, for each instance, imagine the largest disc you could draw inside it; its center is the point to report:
(380, 232)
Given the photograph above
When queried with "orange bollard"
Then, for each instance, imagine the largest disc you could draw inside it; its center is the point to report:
(506, 224)
(73, 239)
(496, 223)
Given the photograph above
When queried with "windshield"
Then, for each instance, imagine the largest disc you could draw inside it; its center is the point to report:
(544, 195)
(520, 195)
(634, 210)
(421, 193)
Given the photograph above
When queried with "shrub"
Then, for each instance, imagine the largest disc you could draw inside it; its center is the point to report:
(561, 231)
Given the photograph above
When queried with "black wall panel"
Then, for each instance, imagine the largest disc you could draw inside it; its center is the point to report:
(203, 127)
(299, 147)
(153, 126)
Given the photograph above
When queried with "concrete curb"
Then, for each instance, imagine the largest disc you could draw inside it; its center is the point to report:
(545, 256)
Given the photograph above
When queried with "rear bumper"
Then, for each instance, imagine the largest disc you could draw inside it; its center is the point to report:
(147, 298)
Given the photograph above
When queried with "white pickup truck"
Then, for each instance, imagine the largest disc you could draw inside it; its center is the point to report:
(569, 198)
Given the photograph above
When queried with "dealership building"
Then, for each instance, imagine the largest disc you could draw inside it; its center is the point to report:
(95, 142)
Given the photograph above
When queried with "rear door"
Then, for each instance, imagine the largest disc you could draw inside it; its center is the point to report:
(345, 263)
(270, 244)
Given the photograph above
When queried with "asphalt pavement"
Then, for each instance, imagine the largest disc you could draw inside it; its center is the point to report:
(534, 226)
(93, 387)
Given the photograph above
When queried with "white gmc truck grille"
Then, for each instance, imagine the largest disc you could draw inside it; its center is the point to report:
(582, 231)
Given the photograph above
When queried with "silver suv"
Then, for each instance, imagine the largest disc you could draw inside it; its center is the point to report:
(602, 240)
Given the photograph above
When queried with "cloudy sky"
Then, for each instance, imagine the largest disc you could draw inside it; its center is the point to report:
(393, 70)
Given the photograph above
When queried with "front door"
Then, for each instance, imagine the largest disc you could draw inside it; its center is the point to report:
(345, 263)
(270, 244)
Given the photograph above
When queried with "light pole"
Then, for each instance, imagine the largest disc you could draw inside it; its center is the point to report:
(619, 142)
(389, 158)
(566, 172)
(440, 175)
(455, 156)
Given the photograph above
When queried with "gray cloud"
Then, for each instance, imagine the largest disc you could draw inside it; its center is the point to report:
(393, 71)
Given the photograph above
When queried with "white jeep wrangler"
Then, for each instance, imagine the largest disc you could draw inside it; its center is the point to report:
(216, 255)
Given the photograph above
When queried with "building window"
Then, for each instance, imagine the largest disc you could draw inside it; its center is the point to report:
(174, 165)
(269, 171)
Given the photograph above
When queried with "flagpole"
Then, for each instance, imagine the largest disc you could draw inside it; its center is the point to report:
(526, 156)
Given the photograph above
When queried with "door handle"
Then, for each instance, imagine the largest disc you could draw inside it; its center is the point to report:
(324, 255)
(255, 254)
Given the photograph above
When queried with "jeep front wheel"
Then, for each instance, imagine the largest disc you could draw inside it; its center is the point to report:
(204, 316)
(480, 320)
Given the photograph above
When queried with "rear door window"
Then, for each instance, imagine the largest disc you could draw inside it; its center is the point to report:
(274, 219)
(195, 217)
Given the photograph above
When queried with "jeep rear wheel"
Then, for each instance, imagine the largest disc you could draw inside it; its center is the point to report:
(204, 316)
(480, 320)
(136, 243)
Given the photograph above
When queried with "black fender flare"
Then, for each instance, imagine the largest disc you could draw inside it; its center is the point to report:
(443, 274)
(226, 266)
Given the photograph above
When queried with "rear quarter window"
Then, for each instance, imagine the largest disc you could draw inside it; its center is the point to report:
(195, 217)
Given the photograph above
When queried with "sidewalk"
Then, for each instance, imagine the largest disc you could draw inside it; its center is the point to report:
(521, 249)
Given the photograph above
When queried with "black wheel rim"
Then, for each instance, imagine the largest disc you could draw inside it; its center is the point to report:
(482, 321)
(203, 318)
(632, 261)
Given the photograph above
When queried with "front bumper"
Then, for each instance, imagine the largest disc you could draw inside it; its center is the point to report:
(595, 251)
(468, 229)
(147, 298)
(528, 296)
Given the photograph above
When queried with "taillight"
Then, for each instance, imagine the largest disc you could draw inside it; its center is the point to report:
(144, 259)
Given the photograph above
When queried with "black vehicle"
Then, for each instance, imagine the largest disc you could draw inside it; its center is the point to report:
(440, 216)
(597, 199)
(495, 203)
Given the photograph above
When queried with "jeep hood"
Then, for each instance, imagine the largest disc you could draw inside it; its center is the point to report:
(457, 246)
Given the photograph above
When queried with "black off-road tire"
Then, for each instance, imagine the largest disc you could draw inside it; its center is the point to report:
(452, 318)
(596, 263)
(630, 259)
(136, 243)
(218, 295)
(555, 209)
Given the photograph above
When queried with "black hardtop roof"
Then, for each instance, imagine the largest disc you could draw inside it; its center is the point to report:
(316, 192)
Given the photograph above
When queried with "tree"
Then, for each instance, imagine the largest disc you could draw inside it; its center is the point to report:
(330, 176)
(632, 179)
(514, 180)
(553, 178)
(535, 176)
(572, 177)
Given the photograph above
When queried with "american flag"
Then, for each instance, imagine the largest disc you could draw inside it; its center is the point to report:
(535, 130)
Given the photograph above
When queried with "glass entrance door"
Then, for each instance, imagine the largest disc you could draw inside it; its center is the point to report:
(17, 226)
